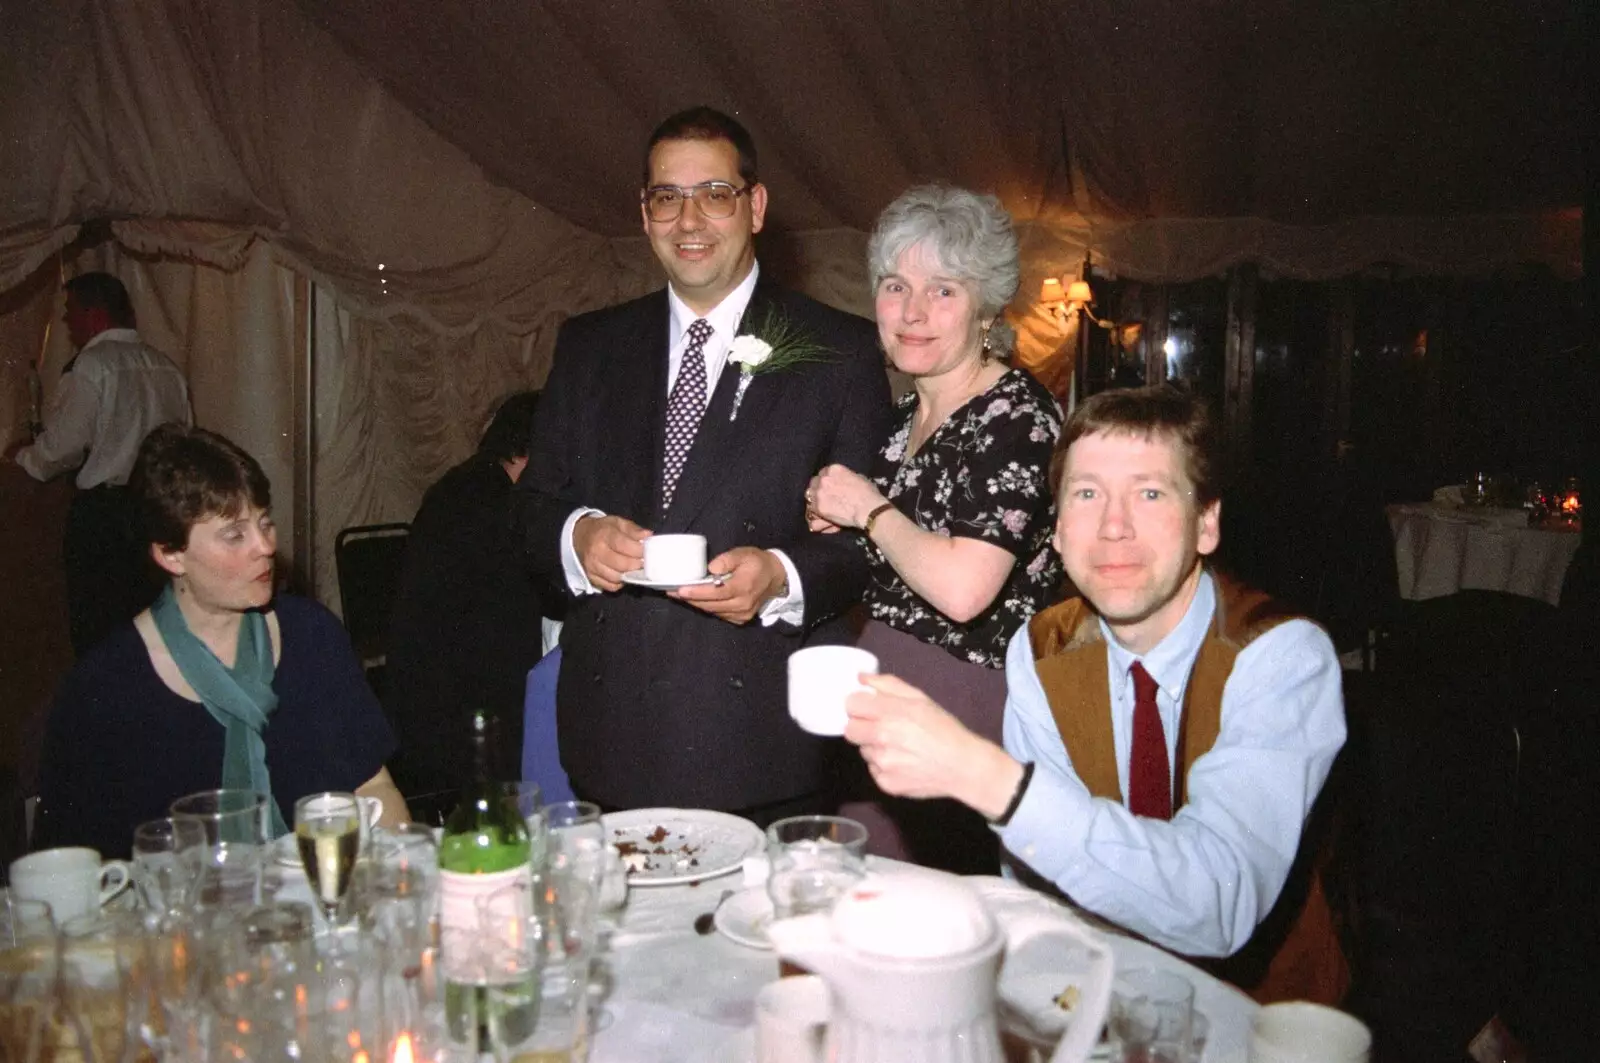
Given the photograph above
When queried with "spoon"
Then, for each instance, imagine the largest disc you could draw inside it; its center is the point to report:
(705, 922)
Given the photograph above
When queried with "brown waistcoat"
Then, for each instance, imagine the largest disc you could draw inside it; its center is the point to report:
(1294, 953)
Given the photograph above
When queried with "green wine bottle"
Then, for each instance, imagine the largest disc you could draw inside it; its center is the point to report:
(486, 898)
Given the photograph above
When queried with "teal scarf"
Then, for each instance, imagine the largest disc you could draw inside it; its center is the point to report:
(240, 698)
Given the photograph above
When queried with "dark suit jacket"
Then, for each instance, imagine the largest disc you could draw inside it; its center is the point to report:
(659, 703)
(463, 632)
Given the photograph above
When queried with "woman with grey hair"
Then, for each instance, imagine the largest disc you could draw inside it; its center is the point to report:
(956, 513)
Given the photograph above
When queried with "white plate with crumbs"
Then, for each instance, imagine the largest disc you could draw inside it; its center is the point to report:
(670, 846)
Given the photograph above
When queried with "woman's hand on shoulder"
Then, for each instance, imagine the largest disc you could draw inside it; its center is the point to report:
(840, 497)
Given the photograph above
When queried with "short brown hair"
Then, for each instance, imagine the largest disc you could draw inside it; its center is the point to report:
(1159, 411)
(185, 475)
(706, 123)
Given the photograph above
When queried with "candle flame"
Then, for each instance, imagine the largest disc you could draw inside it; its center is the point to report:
(402, 1050)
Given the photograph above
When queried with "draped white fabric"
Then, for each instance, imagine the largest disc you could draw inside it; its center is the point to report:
(238, 143)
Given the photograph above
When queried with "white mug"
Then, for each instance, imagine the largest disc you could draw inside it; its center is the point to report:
(791, 1020)
(1297, 1031)
(73, 881)
(820, 679)
(674, 558)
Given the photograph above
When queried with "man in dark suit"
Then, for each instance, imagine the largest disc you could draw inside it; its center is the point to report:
(679, 698)
(465, 625)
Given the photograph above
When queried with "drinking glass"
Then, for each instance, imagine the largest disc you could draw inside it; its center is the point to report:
(327, 829)
(529, 801)
(1151, 1016)
(30, 953)
(106, 985)
(164, 878)
(544, 961)
(402, 861)
(576, 842)
(228, 863)
(815, 859)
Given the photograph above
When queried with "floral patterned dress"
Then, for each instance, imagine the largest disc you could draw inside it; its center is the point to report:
(983, 474)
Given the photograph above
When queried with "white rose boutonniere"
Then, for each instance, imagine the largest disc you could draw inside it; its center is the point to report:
(773, 345)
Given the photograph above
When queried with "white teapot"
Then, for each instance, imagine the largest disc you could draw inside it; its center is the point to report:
(911, 963)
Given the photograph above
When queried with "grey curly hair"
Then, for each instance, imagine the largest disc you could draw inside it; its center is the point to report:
(968, 234)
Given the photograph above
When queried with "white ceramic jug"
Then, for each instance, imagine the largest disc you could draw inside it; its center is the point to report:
(911, 963)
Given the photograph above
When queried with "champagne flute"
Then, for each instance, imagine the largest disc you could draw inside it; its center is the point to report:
(327, 829)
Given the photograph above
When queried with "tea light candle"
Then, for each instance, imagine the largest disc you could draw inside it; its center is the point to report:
(1570, 506)
(402, 1052)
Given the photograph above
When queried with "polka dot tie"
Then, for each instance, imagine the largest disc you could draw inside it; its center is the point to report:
(685, 406)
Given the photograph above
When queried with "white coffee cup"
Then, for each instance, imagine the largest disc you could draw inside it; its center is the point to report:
(1297, 1031)
(820, 679)
(791, 1020)
(674, 558)
(73, 881)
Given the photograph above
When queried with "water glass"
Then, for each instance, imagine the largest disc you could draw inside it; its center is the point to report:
(815, 860)
(30, 954)
(228, 864)
(576, 843)
(402, 862)
(538, 979)
(107, 987)
(165, 879)
(1151, 1016)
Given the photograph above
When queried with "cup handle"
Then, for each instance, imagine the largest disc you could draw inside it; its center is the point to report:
(114, 878)
(1095, 994)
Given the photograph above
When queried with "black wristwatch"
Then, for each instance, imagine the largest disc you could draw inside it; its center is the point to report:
(1016, 796)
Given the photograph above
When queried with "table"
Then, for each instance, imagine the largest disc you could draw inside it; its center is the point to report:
(671, 995)
(1441, 549)
(676, 996)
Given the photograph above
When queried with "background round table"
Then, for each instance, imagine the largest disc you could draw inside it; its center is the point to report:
(1440, 550)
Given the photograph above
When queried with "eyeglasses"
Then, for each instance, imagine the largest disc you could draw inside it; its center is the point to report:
(714, 199)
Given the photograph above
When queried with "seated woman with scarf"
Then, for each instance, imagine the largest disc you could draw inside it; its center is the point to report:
(220, 683)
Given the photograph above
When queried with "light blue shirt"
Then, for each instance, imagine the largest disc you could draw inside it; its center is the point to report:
(1200, 883)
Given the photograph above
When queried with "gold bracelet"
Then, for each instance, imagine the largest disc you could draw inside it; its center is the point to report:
(874, 515)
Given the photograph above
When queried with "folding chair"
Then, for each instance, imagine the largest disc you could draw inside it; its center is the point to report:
(369, 559)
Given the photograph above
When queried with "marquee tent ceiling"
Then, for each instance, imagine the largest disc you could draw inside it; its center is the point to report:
(1292, 111)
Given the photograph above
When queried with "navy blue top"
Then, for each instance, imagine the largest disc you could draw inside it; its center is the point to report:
(121, 746)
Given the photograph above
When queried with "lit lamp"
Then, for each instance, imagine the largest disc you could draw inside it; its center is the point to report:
(1570, 504)
(1069, 298)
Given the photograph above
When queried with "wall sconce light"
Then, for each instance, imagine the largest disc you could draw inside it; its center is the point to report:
(1065, 297)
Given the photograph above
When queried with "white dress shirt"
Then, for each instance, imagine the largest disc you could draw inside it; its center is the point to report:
(724, 320)
(1201, 882)
(119, 389)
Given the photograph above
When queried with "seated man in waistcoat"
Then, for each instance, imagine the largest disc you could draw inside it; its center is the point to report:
(1166, 734)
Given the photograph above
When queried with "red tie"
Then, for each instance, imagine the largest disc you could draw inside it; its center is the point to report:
(1149, 777)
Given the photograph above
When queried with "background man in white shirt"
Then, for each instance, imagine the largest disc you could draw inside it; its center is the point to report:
(1166, 734)
(112, 393)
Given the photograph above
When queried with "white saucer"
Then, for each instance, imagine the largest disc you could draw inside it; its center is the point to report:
(743, 918)
(636, 578)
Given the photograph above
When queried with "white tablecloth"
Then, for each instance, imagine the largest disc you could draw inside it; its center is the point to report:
(676, 996)
(1440, 550)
